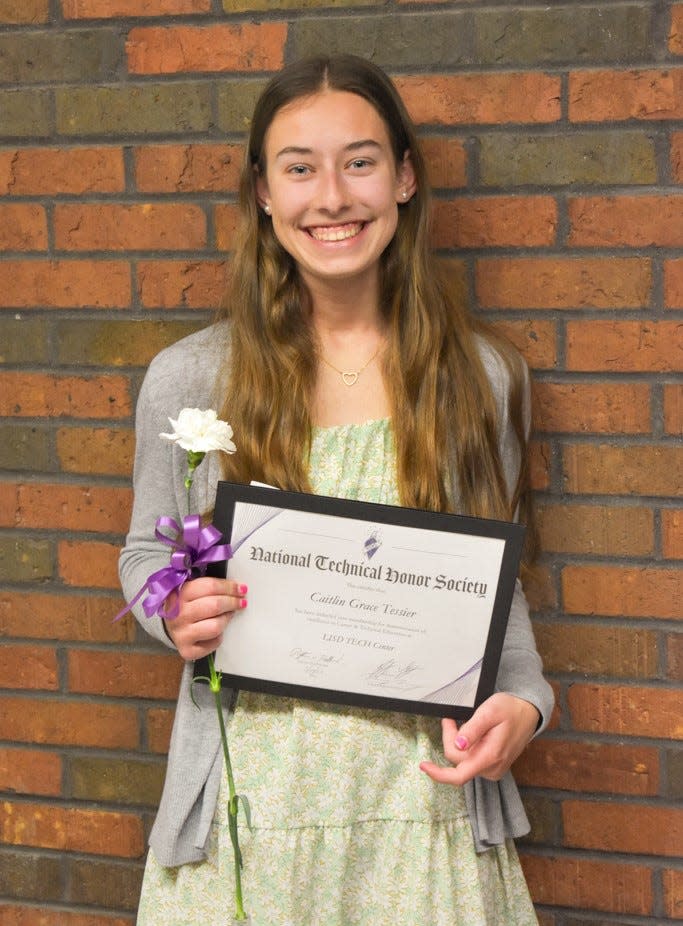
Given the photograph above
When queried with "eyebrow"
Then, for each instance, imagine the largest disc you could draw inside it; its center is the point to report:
(352, 146)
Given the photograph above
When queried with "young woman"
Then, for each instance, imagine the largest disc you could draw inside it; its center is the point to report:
(346, 367)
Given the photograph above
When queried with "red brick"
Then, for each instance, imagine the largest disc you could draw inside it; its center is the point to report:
(676, 31)
(596, 529)
(30, 667)
(30, 771)
(494, 221)
(616, 470)
(578, 882)
(598, 408)
(673, 284)
(459, 99)
(188, 168)
(37, 171)
(168, 284)
(68, 723)
(107, 451)
(576, 766)
(626, 711)
(11, 915)
(40, 394)
(89, 564)
(176, 49)
(24, 12)
(643, 830)
(674, 656)
(446, 161)
(596, 649)
(563, 282)
(540, 462)
(23, 227)
(536, 340)
(72, 829)
(599, 96)
(57, 506)
(123, 674)
(227, 219)
(672, 879)
(43, 616)
(672, 533)
(673, 410)
(103, 9)
(540, 589)
(677, 156)
(635, 221)
(159, 723)
(64, 284)
(138, 227)
(623, 591)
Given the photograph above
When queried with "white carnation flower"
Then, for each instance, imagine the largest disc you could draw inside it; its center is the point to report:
(200, 431)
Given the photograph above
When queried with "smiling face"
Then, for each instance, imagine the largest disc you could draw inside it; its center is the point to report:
(332, 186)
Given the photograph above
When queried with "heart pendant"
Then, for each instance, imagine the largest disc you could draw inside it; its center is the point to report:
(350, 379)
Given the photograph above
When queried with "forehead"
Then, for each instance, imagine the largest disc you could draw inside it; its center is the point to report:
(328, 119)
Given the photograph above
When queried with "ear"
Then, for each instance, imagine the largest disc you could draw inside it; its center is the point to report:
(406, 183)
(262, 192)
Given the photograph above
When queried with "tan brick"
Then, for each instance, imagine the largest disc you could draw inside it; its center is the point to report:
(540, 588)
(68, 723)
(568, 765)
(677, 156)
(634, 221)
(676, 30)
(98, 508)
(39, 394)
(626, 711)
(137, 227)
(89, 564)
(611, 96)
(459, 99)
(24, 12)
(672, 880)
(158, 725)
(23, 227)
(124, 674)
(674, 656)
(107, 451)
(593, 649)
(623, 591)
(494, 221)
(563, 283)
(28, 667)
(177, 49)
(30, 771)
(673, 283)
(614, 470)
(40, 615)
(536, 340)
(102, 9)
(167, 284)
(72, 829)
(672, 533)
(227, 219)
(37, 171)
(597, 885)
(65, 284)
(540, 461)
(604, 408)
(188, 168)
(643, 830)
(446, 161)
(596, 529)
(673, 408)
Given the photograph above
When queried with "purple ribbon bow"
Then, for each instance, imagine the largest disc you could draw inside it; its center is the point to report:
(194, 547)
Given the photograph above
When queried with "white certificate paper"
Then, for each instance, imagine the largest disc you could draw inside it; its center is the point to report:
(365, 604)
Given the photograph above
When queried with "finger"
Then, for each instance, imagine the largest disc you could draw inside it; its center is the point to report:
(454, 744)
(447, 775)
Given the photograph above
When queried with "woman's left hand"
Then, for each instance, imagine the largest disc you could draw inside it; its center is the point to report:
(488, 743)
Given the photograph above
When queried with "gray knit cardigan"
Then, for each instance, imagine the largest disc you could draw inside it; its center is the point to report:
(191, 374)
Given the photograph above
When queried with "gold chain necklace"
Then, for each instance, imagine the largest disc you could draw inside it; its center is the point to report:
(350, 377)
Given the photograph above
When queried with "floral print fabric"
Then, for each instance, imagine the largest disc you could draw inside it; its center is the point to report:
(347, 831)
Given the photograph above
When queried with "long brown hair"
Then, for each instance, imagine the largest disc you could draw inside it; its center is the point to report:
(444, 413)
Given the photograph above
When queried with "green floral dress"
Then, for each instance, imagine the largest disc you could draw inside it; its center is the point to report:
(347, 831)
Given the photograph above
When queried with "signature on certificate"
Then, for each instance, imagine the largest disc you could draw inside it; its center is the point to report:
(394, 674)
(312, 663)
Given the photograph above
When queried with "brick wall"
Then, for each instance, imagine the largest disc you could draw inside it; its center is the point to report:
(555, 139)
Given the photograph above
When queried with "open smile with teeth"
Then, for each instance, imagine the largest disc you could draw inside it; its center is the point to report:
(336, 232)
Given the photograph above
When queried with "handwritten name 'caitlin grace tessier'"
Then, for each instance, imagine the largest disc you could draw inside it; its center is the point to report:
(379, 572)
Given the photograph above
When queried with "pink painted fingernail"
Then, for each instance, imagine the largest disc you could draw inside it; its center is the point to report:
(242, 589)
(243, 603)
(461, 742)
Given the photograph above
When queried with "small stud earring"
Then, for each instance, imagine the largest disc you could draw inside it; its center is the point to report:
(266, 209)
(405, 194)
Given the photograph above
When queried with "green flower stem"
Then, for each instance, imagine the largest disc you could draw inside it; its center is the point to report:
(215, 685)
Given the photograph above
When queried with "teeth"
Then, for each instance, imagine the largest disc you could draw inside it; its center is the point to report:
(339, 233)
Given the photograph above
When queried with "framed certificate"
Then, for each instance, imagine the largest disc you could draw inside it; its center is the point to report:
(365, 604)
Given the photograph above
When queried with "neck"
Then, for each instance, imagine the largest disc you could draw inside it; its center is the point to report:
(345, 307)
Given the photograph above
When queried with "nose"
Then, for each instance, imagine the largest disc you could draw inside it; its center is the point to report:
(333, 194)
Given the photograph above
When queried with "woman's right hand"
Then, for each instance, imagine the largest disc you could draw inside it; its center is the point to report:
(206, 606)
